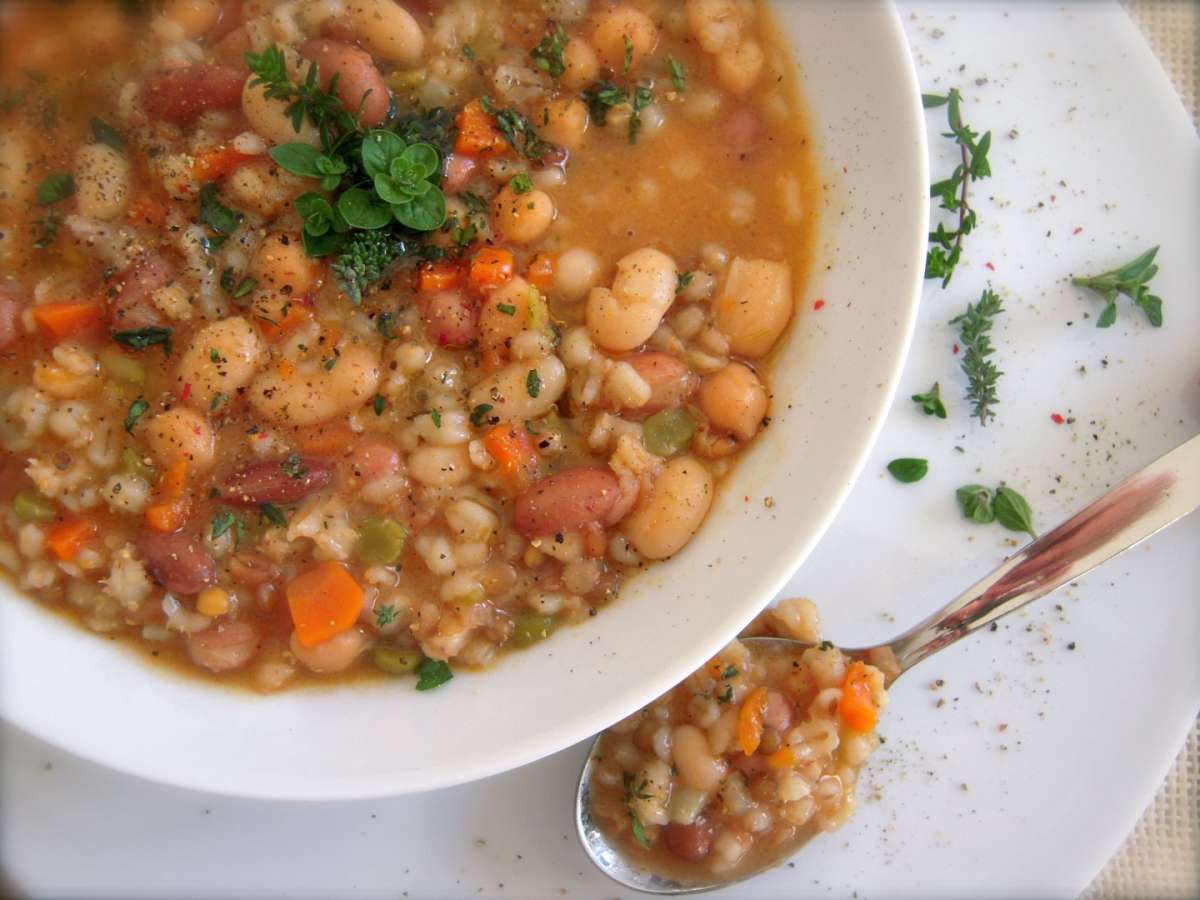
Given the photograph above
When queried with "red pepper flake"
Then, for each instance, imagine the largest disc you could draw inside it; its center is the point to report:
(186, 392)
(1053, 197)
(1056, 418)
(820, 304)
(955, 350)
(1078, 230)
(989, 267)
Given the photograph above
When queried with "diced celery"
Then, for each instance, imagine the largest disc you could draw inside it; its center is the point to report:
(381, 541)
(120, 367)
(532, 628)
(135, 464)
(667, 432)
(30, 507)
(395, 661)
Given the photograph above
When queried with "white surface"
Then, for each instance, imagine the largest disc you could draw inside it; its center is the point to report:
(831, 389)
(1090, 732)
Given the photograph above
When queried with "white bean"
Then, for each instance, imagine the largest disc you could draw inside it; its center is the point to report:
(510, 391)
(440, 466)
(698, 768)
(268, 117)
(576, 272)
(181, 434)
(101, 181)
(755, 305)
(668, 515)
(643, 290)
(388, 30)
(332, 655)
(309, 392)
(221, 359)
(734, 400)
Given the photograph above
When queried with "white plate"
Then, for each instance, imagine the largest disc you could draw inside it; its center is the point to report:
(830, 392)
(1090, 732)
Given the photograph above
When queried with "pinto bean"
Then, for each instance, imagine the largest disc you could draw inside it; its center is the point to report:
(459, 170)
(132, 308)
(451, 320)
(10, 320)
(359, 82)
(181, 95)
(177, 561)
(224, 647)
(374, 457)
(743, 131)
(566, 502)
(671, 382)
(690, 842)
(276, 481)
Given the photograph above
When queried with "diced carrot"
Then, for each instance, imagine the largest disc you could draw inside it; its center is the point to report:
(540, 271)
(715, 667)
(174, 479)
(783, 758)
(67, 538)
(324, 601)
(64, 320)
(145, 210)
(439, 276)
(478, 134)
(217, 162)
(856, 708)
(515, 453)
(333, 439)
(295, 315)
(490, 268)
(168, 515)
(750, 720)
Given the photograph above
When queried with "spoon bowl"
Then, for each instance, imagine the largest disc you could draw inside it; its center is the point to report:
(1160, 494)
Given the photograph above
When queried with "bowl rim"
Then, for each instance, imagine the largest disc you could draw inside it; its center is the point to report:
(414, 780)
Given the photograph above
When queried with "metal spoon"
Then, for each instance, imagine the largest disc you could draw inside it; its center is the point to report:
(1163, 492)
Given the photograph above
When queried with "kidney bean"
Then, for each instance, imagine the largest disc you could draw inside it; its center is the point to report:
(177, 561)
(690, 842)
(459, 170)
(359, 82)
(181, 95)
(374, 457)
(223, 647)
(566, 502)
(10, 320)
(132, 307)
(671, 382)
(451, 320)
(276, 481)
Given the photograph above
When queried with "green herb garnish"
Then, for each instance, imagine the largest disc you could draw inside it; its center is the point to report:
(235, 288)
(273, 514)
(642, 97)
(378, 404)
(222, 522)
(55, 188)
(106, 134)
(517, 130)
(383, 324)
(931, 402)
(385, 615)
(533, 383)
(506, 308)
(982, 374)
(975, 501)
(137, 409)
(294, 466)
(907, 469)
(479, 414)
(946, 249)
(1012, 511)
(432, 673)
(521, 183)
(141, 338)
(682, 280)
(548, 54)
(1131, 280)
(436, 416)
(364, 259)
(678, 75)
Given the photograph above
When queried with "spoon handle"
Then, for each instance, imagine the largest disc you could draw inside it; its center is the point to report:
(1166, 490)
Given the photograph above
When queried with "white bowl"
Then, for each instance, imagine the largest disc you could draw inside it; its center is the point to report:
(832, 387)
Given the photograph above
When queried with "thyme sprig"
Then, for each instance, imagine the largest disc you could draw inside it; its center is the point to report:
(954, 192)
(982, 374)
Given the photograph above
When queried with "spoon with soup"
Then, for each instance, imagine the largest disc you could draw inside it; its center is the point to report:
(732, 770)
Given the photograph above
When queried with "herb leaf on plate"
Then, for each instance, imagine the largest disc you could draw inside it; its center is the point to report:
(1012, 511)
(975, 326)
(931, 402)
(908, 469)
(1132, 280)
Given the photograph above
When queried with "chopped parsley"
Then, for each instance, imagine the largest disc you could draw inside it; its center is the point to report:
(683, 280)
(436, 416)
(294, 466)
(522, 183)
(378, 404)
(517, 130)
(479, 414)
(235, 288)
(432, 673)
(385, 615)
(507, 309)
(218, 398)
(222, 522)
(628, 63)
(106, 134)
(533, 383)
(273, 514)
(678, 75)
(55, 188)
(141, 338)
(217, 216)
(137, 409)
(548, 55)
(383, 324)
(730, 672)
(642, 97)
